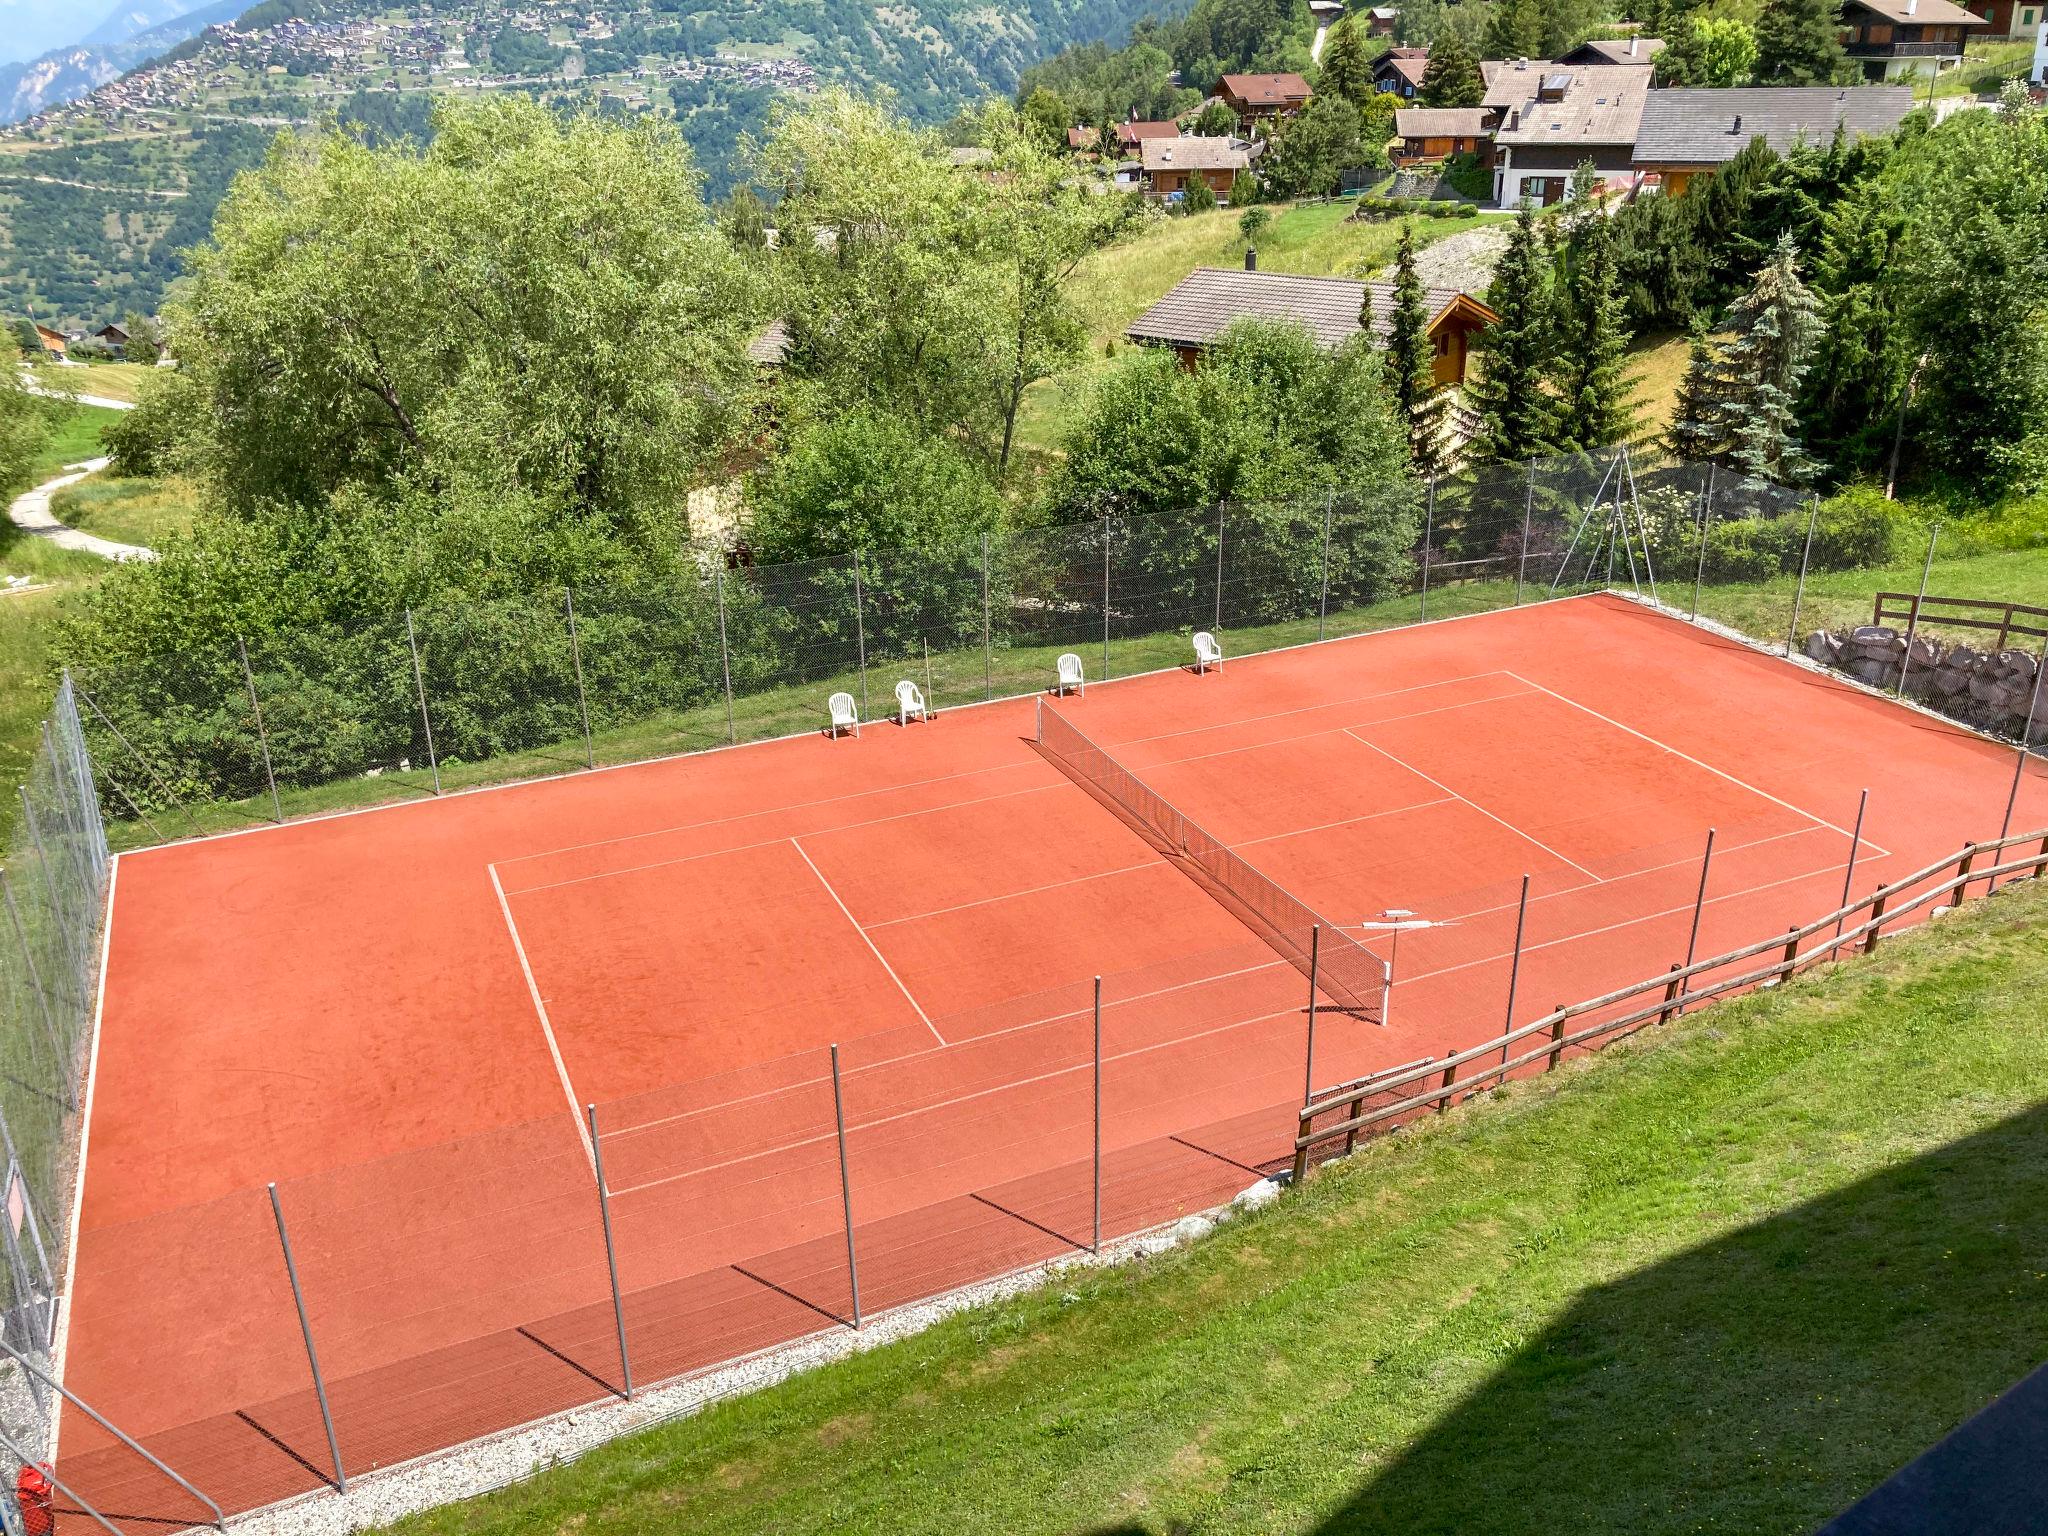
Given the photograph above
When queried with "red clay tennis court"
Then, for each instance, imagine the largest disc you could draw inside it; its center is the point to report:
(399, 1017)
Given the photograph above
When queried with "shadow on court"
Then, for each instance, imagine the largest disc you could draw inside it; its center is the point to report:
(1761, 1382)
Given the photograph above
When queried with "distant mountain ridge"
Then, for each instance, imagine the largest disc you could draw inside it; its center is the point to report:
(127, 39)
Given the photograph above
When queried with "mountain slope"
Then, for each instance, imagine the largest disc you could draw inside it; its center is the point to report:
(65, 74)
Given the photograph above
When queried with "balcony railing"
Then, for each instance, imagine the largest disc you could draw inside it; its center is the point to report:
(1862, 50)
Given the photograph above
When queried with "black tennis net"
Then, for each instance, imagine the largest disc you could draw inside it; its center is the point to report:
(1345, 970)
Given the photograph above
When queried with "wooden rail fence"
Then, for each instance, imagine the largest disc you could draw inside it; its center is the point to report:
(2005, 619)
(1403, 1092)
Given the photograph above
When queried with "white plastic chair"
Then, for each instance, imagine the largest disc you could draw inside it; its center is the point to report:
(909, 701)
(1207, 652)
(1071, 675)
(843, 713)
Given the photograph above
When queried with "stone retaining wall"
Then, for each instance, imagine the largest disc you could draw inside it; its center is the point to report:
(1990, 689)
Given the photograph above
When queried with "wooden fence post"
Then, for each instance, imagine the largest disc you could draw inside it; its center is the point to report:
(2041, 868)
(1670, 995)
(1301, 1161)
(1876, 924)
(1556, 1039)
(1351, 1112)
(1450, 1076)
(1791, 957)
(1963, 870)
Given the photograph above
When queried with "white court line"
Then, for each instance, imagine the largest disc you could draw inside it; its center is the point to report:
(1282, 714)
(546, 1028)
(1035, 890)
(768, 842)
(61, 1342)
(1333, 730)
(1482, 810)
(879, 958)
(1348, 821)
(1764, 794)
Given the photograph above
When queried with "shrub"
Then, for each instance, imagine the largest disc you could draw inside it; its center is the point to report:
(1753, 549)
(1858, 528)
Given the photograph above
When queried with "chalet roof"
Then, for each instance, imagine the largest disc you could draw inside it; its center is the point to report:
(1133, 133)
(771, 347)
(1083, 137)
(1709, 127)
(1597, 103)
(1442, 122)
(1615, 50)
(1409, 63)
(1265, 90)
(1197, 154)
(1917, 13)
(111, 332)
(47, 334)
(1204, 303)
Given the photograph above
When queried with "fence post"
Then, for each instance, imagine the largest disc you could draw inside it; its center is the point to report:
(1799, 593)
(845, 1185)
(291, 1270)
(611, 1254)
(1220, 506)
(1528, 515)
(2019, 767)
(1556, 1039)
(35, 982)
(860, 634)
(1096, 1245)
(988, 659)
(1849, 872)
(1428, 535)
(1699, 907)
(75, 925)
(1699, 574)
(1876, 924)
(155, 778)
(262, 736)
(1670, 996)
(419, 683)
(576, 660)
(1515, 968)
(1963, 869)
(1308, 1065)
(732, 734)
(1791, 956)
(1323, 605)
(1105, 599)
(1443, 1104)
(1913, 623)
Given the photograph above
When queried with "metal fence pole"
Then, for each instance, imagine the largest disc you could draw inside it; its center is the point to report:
(1699, 574)
(988, 659)
(1528, 519)
(155, 778)
(1913, 623)
(291, 1270)
(732, 734)
(1219, 565)
(74, 925)
(2019, 767)
(81, 865)
(1515, 967)
(1855, 847)
(611, 1253)
(845, 1184)
(419, 683)
(1428, 534)
(1105, 599)
(7, 1444)
(1096, 1245)
(576, 660)
(1699, 908)
(35, 982)
(1308, 1062)
(860, 632)
(262, 736)
(1323, 603)
(1799, 593)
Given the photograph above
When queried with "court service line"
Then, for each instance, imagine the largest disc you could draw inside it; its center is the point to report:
(880, 959)
(546, 1028)
(1352, 732)
(776, 841)
(1331, 826)
(1282, 714)
(61, 1343)
(1797, 810)
(1035, 890)
(1332, 730)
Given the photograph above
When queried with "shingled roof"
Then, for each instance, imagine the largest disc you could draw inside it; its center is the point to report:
(1202, 305)
(1615, 50)
(1442, 122)
(1595, 103)
(1197, 154)
(1265, 90)
(1682, 127)
(1920, 13)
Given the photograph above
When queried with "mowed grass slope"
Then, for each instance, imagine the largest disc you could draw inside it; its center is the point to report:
(1725, 1277)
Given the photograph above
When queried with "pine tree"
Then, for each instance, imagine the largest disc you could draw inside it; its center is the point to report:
(1514, 409)
(1452, 77)
(1774, 329)
(1798, 42)
(1699, 416)
(1514, 31)
(1410, 363)
(1347, 67)
(1594, 386)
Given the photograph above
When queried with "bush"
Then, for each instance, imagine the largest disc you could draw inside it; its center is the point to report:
(1859, 528)
(1754, 549)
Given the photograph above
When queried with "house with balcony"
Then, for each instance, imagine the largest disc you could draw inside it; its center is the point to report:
(1438, 133)
(1172, 166)
(1553, 118)
(1890, 38)
(1399, 72)
(1262, 100)
(2014, 19)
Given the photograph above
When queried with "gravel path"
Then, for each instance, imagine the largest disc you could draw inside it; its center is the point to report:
(1464, 261)
(30, 512)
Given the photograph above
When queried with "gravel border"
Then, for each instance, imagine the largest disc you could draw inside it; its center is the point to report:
(483, 1466)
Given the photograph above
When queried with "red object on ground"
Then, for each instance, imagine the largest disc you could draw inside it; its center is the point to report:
(34, 1496)
(398, 1015)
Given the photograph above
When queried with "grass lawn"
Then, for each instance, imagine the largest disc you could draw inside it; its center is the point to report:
(1985, 67)
(73, 438)
(113, 381)
(1724, 1278)
(1658, 360)
(133, 511)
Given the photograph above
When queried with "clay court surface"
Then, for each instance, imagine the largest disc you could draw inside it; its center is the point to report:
(397, 1016)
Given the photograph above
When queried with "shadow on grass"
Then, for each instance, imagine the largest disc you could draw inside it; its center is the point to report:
(1761, 1382)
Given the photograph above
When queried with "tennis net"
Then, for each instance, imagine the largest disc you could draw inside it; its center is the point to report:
(1345, 970)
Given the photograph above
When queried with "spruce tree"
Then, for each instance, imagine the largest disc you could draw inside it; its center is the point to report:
(1699, 416)
(1514, 31)
(1410, 363)
(1347, 67)
(1508, 394)
(1594, 388)
(1798, 42)
(1452, 77)
(1774, 330)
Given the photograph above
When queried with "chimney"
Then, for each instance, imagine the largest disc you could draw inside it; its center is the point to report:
(1632, 43)
(1251, 258)
(1521, 63)
(1912, 6)
(1738, 124)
